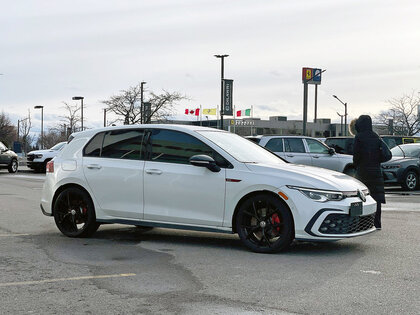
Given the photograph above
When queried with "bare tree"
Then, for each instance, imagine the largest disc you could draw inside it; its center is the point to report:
(70, 119)
(52, 137)
(7, 130)
(24, 129)
(404, 113)
(126, 105)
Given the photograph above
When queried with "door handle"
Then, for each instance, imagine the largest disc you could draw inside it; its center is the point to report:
(289, 155)
(315, 156)
(153, 172)
(94, 166)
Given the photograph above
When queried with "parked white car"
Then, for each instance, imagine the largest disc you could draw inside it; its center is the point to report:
(306, 151)
(37, 160)
(204, 179)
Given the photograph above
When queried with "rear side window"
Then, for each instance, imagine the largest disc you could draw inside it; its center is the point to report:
(123, 144)
(94, 146)
(177, 147)
(294, 145)
(275, 145)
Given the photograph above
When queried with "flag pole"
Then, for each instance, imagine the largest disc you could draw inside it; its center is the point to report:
(201, 117)
(234, 119)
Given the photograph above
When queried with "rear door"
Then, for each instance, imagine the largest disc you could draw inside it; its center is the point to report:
(275, 145)
(295, 151)
(113, 166)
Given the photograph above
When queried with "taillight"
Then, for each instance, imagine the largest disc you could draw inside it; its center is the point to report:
(50, 167)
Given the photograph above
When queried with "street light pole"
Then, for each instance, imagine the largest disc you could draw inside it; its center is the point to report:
(142, 119)
(222, 58)
(76, 98)
(341, 123)
(345, 114)
(42, 124)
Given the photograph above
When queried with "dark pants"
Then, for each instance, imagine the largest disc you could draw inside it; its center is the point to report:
(377, 221)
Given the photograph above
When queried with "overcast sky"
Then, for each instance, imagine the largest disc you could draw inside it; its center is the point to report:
(53, 50)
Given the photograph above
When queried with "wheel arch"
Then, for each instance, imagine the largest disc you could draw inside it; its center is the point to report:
(64, 187)
(253, 193)
(348, 166)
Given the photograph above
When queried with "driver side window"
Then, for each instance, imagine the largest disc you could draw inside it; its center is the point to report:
(316, 147)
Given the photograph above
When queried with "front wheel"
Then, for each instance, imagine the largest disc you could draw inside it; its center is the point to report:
(74, 213)
(410, 181)
(265, 224)
(13, 166)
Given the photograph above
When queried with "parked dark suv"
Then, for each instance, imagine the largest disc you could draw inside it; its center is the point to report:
(8, 159)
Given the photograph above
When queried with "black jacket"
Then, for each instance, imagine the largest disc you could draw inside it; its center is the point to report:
(369, 153)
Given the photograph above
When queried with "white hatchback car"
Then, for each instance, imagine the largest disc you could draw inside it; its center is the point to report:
(203, 179)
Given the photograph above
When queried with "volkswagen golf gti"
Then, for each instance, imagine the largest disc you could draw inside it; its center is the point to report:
(204, 179)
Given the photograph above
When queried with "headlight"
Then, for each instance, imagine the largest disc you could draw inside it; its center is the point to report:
(320, 195)
(387, 167)
(38, 156)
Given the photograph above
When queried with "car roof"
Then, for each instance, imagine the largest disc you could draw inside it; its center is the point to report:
(91, 132)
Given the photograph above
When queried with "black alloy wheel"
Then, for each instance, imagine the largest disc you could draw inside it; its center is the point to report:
(13, 166)
(74, 213)
(265, 224)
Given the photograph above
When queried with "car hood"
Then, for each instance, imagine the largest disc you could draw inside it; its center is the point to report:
(41, 151)
(308, 176)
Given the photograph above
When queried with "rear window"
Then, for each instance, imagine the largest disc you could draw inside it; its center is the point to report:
(275, 145)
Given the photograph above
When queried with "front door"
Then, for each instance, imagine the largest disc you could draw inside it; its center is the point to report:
(176, 191)
(113, 167)
(321, 157)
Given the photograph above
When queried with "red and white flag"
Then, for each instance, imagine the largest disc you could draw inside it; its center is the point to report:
(195, 112)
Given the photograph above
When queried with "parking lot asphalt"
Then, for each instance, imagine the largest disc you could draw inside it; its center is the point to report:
(122, 270)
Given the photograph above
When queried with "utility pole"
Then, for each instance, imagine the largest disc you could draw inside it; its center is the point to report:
(222, 58)
(142, 111)
(345, 114)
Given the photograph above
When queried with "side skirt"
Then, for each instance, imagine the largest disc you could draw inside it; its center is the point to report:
(168, 225)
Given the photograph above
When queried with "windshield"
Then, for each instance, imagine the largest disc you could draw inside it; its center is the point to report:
(58, 146)
(241, 149)
(406, 150)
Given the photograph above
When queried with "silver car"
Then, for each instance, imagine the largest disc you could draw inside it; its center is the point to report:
(306, 151)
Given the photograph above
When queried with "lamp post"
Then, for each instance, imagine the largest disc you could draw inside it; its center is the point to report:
(345, 114)
(42, 123)
(142, 119)
(341, 124)
(222, 58)
(76, 98)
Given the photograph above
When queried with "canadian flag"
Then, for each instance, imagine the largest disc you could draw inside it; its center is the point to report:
(195, 112)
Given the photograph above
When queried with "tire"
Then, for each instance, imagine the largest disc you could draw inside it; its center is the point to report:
(411, 180)
(351, 171)
(74, 213)
(265, 224)
(13, 166)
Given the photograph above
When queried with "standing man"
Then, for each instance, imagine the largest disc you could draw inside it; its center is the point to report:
(369, 152)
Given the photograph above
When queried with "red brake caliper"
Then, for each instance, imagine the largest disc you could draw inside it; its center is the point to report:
(275, 220)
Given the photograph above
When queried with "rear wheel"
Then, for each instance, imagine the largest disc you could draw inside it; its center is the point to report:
(13, 166)
(265, 224)
(74, 213)
(411, 180)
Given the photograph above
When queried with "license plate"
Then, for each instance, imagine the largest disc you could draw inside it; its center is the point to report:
(356, 209)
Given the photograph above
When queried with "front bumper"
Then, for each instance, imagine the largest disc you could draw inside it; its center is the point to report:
(329, 221)
(34, 164)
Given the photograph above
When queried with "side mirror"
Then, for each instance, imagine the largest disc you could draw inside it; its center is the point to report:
(204, 161)
(331, 151)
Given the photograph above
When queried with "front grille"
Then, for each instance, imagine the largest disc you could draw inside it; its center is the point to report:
(344, 224)
(30, 157)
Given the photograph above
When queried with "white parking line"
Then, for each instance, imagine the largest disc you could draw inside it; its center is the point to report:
(8, 284)
(6, 235)
(25, 176)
